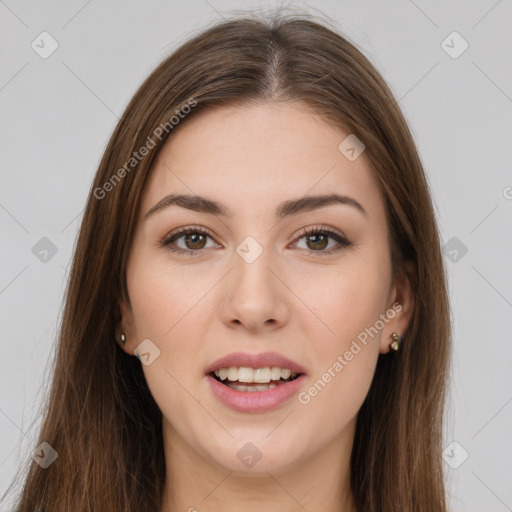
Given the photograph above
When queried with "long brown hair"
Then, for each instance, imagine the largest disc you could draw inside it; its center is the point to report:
(100, 416)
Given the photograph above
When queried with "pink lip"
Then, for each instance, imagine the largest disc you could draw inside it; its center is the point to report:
(255, 361)
(257, 401)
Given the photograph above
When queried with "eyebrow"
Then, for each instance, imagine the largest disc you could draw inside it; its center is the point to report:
(286, 208)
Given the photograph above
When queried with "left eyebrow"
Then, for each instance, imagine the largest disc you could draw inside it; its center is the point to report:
(286, 208)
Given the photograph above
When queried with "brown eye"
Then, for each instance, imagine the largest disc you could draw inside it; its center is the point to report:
(194, 241)
(318, 242)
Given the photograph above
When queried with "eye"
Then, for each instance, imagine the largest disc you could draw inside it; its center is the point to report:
(317, 239)
(195, 239)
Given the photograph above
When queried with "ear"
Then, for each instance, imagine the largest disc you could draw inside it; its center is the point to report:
(401, 302)
(126, 326)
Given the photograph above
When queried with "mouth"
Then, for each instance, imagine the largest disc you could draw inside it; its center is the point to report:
(255, 383)
(254, 380)
(244, 394)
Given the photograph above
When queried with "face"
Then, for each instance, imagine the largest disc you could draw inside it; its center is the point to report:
(247, 280)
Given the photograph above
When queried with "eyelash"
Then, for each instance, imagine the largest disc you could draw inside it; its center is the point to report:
(338, 237)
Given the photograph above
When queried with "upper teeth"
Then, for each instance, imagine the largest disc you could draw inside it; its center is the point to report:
(262, 375)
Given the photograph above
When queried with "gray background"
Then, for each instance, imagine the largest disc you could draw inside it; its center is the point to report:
(58, 113)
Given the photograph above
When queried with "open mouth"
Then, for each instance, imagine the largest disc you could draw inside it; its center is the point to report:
(254, 386)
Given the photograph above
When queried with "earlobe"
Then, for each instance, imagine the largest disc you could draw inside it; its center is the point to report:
(125, 327)
(121, 338)
(394, 343)
(402, 302)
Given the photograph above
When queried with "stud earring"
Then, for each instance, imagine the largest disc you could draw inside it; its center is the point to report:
(123, 338)
(394, 344)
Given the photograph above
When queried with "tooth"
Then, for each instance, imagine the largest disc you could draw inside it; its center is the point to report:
(239, 388)
(258, 375)
(245, 374)
(276, 373)
(262, 375)
(232, 373)
(252, 389)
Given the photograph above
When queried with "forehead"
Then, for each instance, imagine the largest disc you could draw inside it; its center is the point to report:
(256, 155)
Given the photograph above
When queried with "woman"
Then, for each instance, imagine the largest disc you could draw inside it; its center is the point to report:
(257, 311)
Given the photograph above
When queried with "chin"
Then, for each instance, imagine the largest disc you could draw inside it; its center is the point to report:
(257, 455)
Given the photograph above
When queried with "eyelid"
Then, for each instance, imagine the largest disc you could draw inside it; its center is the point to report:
(320, 228)
(342, 241)
(333, 233)
(186, 229)
(182, 231)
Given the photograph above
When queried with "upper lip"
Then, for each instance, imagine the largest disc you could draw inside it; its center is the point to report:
(249, 360)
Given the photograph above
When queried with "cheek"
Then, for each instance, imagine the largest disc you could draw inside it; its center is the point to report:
(165, 296)
(343, 302)
(166, 305)
(334, 396)
(175, 397)
(347, 305)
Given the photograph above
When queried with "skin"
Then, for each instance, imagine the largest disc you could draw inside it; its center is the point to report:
(198, 308)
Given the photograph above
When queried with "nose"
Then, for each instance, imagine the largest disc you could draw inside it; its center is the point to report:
(254, 296)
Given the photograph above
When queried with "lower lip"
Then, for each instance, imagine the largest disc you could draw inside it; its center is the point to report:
(255, 401)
